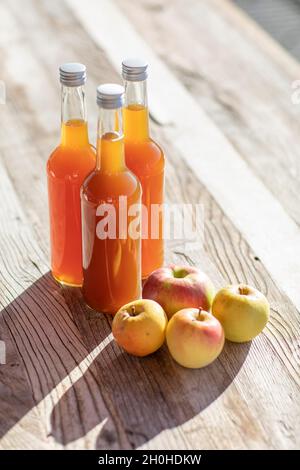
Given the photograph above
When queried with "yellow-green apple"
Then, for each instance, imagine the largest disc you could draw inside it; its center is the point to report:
(178, 287)
(194, 337)
(242, 310)
(139, 327)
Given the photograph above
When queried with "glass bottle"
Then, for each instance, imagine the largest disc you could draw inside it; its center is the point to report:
(111, 205)
(146, 160)
(67, 167)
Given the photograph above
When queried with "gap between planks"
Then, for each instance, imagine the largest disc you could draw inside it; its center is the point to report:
(258, 215)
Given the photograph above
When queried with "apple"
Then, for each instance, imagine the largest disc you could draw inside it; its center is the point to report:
(139, 327)
(178, 287)
(194, 337)
(242, 310)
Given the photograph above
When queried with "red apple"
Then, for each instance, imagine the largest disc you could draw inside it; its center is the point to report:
(194, 337)
(178, 287)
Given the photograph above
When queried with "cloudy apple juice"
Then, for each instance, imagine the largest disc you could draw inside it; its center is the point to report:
(146, 160)
(110, 206)
(67, 167)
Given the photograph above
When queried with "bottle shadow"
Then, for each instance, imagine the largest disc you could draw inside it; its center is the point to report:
(64, 371)
(44, 354)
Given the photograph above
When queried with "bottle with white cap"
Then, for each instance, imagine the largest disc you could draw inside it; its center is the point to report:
(67, 167)
(110, 208)
(146, 159)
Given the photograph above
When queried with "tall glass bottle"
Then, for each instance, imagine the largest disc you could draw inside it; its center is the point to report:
(146, 160)
(110, 207)
(67, 167)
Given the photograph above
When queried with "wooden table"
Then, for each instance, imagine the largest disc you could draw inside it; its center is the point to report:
(220, 99)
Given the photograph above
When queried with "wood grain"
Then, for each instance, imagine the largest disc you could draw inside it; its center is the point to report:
(66, 384)
(240, 193)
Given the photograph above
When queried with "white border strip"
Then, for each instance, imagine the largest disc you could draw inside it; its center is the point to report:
(271, 233)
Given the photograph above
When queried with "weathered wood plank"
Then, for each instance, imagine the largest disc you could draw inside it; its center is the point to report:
(34, 316)
(249, 398)
(239, 76)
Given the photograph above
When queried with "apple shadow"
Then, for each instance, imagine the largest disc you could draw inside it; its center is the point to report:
(149, 395)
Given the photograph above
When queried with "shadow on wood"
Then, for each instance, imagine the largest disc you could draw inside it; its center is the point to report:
(144, 396)
(44, 349)
(91, 395)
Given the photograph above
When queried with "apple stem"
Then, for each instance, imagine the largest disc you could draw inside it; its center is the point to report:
(133, 310)
(243, 290)
(200, 317)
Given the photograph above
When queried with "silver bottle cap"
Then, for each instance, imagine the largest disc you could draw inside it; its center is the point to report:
(134, 70)
(110, 96)
(72, 74)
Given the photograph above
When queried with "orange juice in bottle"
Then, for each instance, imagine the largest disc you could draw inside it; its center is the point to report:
(146, 160)
(67, 167)
(110, 208)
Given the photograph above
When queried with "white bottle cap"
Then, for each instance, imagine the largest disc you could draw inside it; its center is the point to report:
(134, 69)
(110, 96)
(72, 74)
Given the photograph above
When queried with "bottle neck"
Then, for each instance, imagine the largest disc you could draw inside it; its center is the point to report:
(136, 115)
(74, 129)
(110, 141)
